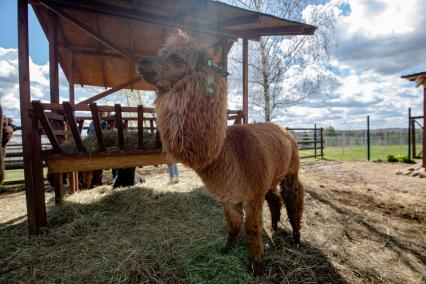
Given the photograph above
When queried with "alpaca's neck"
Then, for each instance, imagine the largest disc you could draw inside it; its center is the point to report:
(192, 120)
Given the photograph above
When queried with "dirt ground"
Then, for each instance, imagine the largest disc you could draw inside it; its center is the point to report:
(362, 224)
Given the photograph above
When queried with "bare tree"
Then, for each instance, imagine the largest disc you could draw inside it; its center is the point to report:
(285, 70)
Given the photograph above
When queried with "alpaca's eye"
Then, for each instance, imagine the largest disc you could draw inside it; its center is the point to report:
(176, 60)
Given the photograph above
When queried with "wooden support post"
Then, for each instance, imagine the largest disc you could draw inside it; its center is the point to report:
(140, 127)
(119, 126)
(37, 174)
(53, 58)
(73, 181)
(36, 210)
(245, 79)
(48, 130)
(97, 125)
(69, 113)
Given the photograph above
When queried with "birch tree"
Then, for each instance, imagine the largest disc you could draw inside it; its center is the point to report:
(284, 70)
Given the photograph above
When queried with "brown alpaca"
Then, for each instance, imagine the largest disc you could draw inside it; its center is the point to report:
(241, 165)
(6, 135)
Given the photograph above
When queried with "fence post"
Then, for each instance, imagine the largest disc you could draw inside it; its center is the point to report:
(315, 141)
(409, 133)
(322, 142)
(368, 137)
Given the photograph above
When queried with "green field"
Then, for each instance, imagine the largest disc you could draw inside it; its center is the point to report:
(359, 153)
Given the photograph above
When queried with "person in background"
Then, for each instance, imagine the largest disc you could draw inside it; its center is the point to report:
(104, 124)
(173, 173)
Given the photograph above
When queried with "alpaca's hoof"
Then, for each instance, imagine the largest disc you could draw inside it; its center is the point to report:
(296, 240)
(257, 268)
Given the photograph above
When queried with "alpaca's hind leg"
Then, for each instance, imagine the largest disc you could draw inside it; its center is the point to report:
(274, 201)
(254, 230)
(293, 194)
(234, 215)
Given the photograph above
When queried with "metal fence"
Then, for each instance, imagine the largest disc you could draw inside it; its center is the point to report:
(352, 144)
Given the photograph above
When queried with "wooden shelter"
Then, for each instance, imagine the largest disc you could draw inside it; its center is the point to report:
(420, 80)
(98, 43)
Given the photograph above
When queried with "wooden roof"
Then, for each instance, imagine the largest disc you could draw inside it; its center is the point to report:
(419, 78)
(100, 41)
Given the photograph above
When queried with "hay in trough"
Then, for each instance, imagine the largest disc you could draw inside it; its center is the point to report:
(110, 137)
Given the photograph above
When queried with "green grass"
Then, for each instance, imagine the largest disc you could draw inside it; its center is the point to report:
(359, 153)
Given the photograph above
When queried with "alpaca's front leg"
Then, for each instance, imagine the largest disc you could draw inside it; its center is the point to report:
(234, 215)
(254, 230)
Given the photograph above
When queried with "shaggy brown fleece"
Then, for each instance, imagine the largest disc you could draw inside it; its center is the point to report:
(241, 165)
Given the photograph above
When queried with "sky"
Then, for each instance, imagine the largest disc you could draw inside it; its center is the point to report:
(378, 41)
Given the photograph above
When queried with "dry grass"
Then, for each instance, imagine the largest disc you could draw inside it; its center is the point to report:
(354, 232)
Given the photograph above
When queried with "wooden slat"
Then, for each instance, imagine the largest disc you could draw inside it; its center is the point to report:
(64, 164)
(239, 21)
(69, 113)
(80, 125)
(97, 125)
(119, 126)
(41, 115)
(110, 91)
(140, 127)
(55, 116)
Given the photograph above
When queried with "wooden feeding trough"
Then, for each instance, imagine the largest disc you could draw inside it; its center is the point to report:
(98, 43)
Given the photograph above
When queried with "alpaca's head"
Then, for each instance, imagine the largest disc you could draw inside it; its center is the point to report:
(180, 56)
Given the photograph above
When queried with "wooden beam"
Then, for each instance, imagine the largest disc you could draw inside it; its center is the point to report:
(137, 15)
(63, 164)
(34, 189)
(119, 125)
(53, 58)
(71, 80)
(420, 80)
(251, 19)
(97, 125)
(82, 26)
(110, 91)
(245, 79)
(69, 113)
(271, 31)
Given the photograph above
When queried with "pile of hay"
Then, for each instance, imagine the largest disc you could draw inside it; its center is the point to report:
(111, 142)
(414, 171)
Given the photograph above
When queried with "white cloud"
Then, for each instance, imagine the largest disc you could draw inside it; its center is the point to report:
(378, 42)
